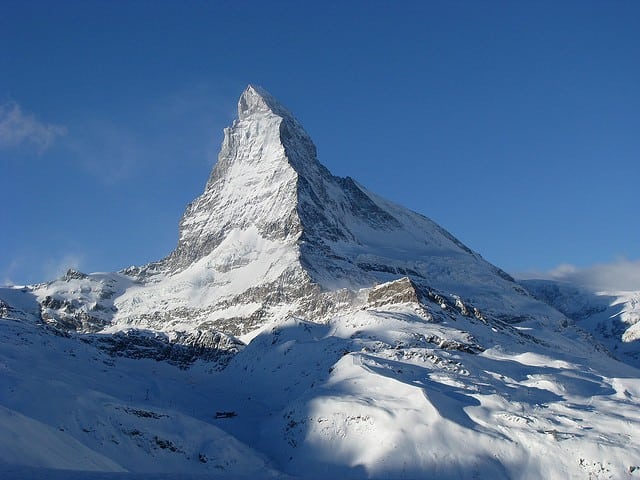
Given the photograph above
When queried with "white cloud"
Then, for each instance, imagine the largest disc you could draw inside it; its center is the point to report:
(621, 275)
(18, 128)
(25, 269)
(56, 267)
(6, 278)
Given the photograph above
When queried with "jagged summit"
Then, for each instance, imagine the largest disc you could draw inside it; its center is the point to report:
(254, 182)
(256, 100)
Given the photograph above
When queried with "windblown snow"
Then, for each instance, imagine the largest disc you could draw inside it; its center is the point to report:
(305, 327)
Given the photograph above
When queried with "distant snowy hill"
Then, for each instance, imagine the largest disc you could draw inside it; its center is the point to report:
(612, 317)
(305, 327)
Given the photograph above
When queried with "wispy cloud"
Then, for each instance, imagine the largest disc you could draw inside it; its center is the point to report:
(184, 125)
(620, 275)
(33, 268)
(8, 272)
(106, 150)
(56, 267)
(18, 128)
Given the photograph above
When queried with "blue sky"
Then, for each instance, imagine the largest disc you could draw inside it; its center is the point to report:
(515, 125)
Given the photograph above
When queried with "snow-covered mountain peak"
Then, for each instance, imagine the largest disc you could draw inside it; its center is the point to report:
(256, 100)
(253, 184)
(276, 234)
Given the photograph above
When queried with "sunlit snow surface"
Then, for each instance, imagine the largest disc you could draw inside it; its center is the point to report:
(380, 392)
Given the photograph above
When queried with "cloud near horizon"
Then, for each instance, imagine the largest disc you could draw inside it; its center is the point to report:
(18, 128)
(620, 275)
(55, 267)
(32, 268)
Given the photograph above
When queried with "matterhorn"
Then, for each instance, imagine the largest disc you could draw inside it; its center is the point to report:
(306, 327)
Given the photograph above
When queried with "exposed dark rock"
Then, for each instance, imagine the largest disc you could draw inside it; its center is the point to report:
(182, 349)
(73, 275)
(400, 291)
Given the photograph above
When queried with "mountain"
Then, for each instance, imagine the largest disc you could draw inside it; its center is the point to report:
(275, 234)
(306, 327)
(612, 317)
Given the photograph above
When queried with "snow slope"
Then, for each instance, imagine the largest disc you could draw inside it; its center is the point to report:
(67, 405)
(398, 389)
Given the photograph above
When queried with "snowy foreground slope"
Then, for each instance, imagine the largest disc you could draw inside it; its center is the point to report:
(389, 391)
(306, 328)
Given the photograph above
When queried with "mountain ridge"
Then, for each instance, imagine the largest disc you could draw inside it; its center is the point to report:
(269, 201)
